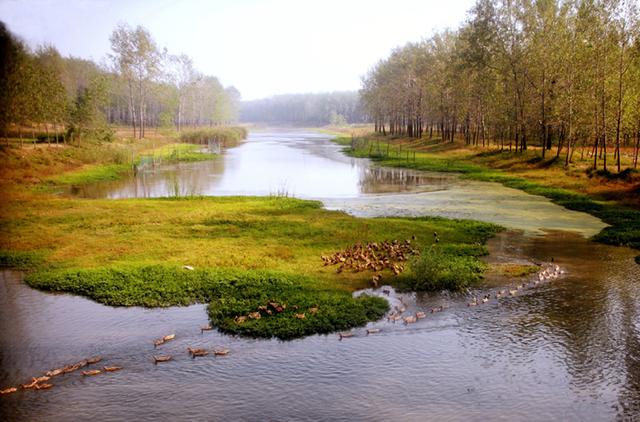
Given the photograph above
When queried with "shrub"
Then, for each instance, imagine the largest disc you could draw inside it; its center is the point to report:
(435, 269)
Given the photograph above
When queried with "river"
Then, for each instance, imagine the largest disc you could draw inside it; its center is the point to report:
(567, 350)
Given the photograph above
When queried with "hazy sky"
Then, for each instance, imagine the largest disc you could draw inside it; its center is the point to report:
(262, 47)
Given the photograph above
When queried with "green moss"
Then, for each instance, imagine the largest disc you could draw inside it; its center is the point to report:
(231, 293)
(624, 223)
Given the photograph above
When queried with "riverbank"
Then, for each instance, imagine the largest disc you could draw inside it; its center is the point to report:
(239, 254)
(568, 188)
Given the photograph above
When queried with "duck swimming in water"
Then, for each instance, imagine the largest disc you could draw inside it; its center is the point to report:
(157, 359)
(8, 390)
(197, 352)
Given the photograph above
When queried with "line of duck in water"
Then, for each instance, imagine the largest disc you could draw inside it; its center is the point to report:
(549, 273)
(41, 382)
(193, 352)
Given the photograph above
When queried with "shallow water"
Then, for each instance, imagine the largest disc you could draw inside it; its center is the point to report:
(566, 350)
(310, 166)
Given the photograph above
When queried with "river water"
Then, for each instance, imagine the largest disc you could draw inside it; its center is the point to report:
(566, 350)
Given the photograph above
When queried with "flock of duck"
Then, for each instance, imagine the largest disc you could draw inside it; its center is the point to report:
(42, 382)
(272, 308)
(549, 273)
(373, 256)
(351, 258)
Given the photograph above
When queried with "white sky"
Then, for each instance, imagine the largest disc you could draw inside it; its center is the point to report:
(262, 47)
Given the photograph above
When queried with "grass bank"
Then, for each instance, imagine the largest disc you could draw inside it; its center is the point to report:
(51, 165)
(246, 251)
(624, 221)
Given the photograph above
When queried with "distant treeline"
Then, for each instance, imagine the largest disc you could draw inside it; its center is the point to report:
(141, 85)
(336, 108)
(563, 73)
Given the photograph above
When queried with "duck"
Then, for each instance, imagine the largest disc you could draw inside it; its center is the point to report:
(205, 328)
(42, 379)
(8, 390)
(43, 386)
(197, 352)
(72, 368)
(91, 372)
(169, 337)
(313, 310)
(54, 372)
(30, 385)
(513, 292)
(95, 359)
(220, 351)
(255, 315)
(372, 331)
(112, 368)
(345, 334)
(420, 315)
(157, 359)
(158, 342)
(410, 319)
(474, 302)
(299, 316)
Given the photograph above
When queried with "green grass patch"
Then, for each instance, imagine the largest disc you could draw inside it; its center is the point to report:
(226, 136)
(173, 153)
(131, 252)
(230, 293)
(435, 269)
(91, 174)
(20, 260)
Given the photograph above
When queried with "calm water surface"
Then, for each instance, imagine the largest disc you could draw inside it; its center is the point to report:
(568, 350)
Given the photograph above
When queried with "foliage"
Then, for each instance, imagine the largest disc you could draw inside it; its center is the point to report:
(435, 269)
(227, 136)
(520, 73)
